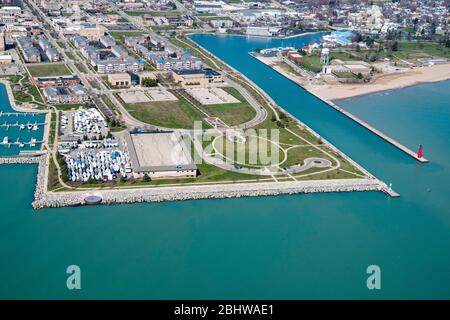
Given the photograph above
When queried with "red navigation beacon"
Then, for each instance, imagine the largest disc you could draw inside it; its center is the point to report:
(420, 152)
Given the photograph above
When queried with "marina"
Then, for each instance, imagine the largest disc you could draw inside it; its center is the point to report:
(30, 126)
(95, 179)
(32, 143)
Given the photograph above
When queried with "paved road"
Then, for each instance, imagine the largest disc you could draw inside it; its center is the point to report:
(261, 112)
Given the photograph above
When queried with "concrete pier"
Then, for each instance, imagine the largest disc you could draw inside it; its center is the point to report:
(13, 125)
(16, 114)
(382, 135)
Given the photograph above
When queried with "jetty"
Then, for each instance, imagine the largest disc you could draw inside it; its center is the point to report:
(31, 143)
(17, 124)
(16, 114)
(351, 116)
(382, 135)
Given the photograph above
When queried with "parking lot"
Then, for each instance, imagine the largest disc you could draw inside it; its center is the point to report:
(83, 122)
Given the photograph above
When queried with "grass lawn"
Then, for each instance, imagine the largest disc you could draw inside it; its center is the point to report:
(70, 106)
(26, 93)
(52, 132)
(170, 114)
(312, 63)
(53, 181)
(232, 113)
(48, 70)
(345, 75)
(346, 56)
(411, 50)
(81, 67)
(34, 91)
(297, 155)
(119, 34)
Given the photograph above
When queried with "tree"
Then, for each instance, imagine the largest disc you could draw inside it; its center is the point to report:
(146, 178)
(149, 82)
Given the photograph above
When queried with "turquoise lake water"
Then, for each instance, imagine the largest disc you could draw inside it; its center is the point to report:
(13, 132)
(286, 247)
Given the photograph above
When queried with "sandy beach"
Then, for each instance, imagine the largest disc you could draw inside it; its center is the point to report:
(383, 82)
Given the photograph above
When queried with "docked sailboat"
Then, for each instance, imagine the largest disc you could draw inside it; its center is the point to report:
(5, 140)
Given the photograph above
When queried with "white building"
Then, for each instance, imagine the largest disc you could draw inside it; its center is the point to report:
(263, 31)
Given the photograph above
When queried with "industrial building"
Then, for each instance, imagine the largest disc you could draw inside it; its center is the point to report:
(160, 155)
(119, 79)
(263, 31)
(60, 81)
(202, 77)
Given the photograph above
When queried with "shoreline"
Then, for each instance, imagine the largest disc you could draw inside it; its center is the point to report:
(12, 101)
(49, 199)
(387, 82)
(255, 36)
(279, 108)
(349, 115)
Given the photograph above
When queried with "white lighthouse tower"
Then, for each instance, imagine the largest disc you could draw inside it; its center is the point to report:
(325, 57)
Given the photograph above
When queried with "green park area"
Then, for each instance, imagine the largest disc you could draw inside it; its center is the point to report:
(169, 114)
(232, 113)
(394, 50)
(48, 70)
(293, 144)
(119, 34)
(71, 106)
(411, 50)
(182, 113)
(24, 91)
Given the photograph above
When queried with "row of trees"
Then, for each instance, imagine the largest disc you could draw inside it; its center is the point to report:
(149, 82)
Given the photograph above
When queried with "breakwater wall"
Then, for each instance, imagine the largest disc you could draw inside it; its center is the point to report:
(48, 199)
(236, 190)
(382, 135)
